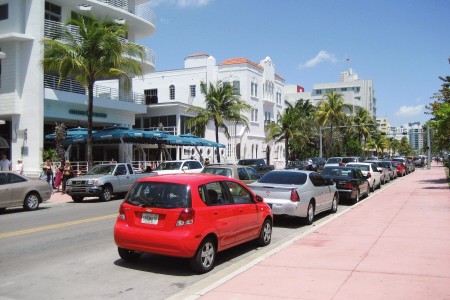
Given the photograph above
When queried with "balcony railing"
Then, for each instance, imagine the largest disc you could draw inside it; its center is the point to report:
(141, 11)
(73, 86)
(53, 29)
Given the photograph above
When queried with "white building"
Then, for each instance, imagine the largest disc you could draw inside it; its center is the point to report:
(356, 92)
(31, 101)
(170, 93)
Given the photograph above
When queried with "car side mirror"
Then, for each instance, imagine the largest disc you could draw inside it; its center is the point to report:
(329, 181)
(259, 198)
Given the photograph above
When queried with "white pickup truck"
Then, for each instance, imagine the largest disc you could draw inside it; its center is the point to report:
(103, 181)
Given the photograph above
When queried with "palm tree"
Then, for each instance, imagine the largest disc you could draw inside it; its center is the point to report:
(94, 52)
(361, 121)
(286, 128)
(331, 111)
(222, 106)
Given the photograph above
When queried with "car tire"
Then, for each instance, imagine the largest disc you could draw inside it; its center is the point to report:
(265, 235)
(310, 214)
(368, 190)
(204, 258)
(77, 199)
(372, 188)
(106, 194)
(357, 198)
(334, 203)
(128, 255)
(31, 201)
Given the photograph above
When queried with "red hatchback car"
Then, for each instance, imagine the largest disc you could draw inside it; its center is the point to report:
(192, 216)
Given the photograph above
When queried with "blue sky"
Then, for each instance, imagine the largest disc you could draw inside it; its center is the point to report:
(403, 46)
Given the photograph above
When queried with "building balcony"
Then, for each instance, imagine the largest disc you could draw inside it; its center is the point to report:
(54, 29)
(102, 92)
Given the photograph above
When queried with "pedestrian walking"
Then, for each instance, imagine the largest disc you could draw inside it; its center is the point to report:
(48, 170)
(5, 163)
(19, 167)
(67, 174)
(58, 178)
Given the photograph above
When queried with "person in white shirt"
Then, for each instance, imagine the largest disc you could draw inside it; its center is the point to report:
(19, 167)
(5, 163)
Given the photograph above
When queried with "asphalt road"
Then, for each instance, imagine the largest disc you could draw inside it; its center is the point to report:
(67, 251)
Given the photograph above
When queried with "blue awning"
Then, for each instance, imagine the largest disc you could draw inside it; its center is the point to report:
(201, 141)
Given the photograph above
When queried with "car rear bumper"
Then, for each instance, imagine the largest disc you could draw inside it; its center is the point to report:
(287, 207)
(179, 243)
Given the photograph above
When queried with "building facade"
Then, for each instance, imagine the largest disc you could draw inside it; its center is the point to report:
(170, 93)
(32, 102)
(359, 94)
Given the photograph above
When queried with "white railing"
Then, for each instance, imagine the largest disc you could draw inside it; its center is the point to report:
(141, 11)
(53, 29)
(73, 86)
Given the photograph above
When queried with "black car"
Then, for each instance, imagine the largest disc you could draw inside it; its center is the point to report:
(350, 182)
(307, 165)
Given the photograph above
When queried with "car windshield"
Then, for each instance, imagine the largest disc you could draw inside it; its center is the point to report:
(288, 178)
(348, 159)
(361, 167)
(169, 166)
(217, 171)
(337, 172)
(334, 160)
(101, 170)
(157, 194)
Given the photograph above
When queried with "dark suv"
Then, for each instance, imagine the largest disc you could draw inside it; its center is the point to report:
(319, 161)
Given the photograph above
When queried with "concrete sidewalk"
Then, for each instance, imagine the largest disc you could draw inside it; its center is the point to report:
(393, 245)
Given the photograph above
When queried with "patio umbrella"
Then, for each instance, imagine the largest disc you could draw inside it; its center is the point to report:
(201, 141)
(119, 134)
(76, 135)
(176, 140)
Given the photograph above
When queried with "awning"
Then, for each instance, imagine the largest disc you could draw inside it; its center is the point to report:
(3, 143)
(201, 141)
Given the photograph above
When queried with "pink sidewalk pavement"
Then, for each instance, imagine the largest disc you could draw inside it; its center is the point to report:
(393, 245)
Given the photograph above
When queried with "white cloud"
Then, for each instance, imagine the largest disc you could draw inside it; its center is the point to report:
(322, 56)
(410, 111)
(181, 3)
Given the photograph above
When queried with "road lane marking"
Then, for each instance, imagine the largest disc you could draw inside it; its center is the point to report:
(61, 225)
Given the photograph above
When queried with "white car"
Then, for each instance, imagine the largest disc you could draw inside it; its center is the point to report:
(371, 172)
(178, 166)
(334, 161)
(297, 193)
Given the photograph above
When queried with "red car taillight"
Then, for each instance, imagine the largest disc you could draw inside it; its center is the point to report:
(348, 185)
(186, 217)
(369, 175)
(294, 196)
(122, 212)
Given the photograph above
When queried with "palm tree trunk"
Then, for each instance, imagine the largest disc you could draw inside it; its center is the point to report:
(90, 113)
(286, 152)
(217, 140)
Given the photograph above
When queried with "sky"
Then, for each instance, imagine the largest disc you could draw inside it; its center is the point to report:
(403, 46)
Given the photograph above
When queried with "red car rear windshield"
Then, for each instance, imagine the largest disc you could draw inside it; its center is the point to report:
(159, 194)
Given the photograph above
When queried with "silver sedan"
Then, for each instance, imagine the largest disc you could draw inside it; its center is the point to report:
(18, 190)
(297, 193)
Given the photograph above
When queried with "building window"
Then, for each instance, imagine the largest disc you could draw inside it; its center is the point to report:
(151, 96)
(192, 90)
(52, 12)
(236, 87)
(254, 89)
(267, 117)
(172, 92)
(318, 92)
(279, 98)
(3, 12)
(343, 89)
(254, 116)
(358, 89)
